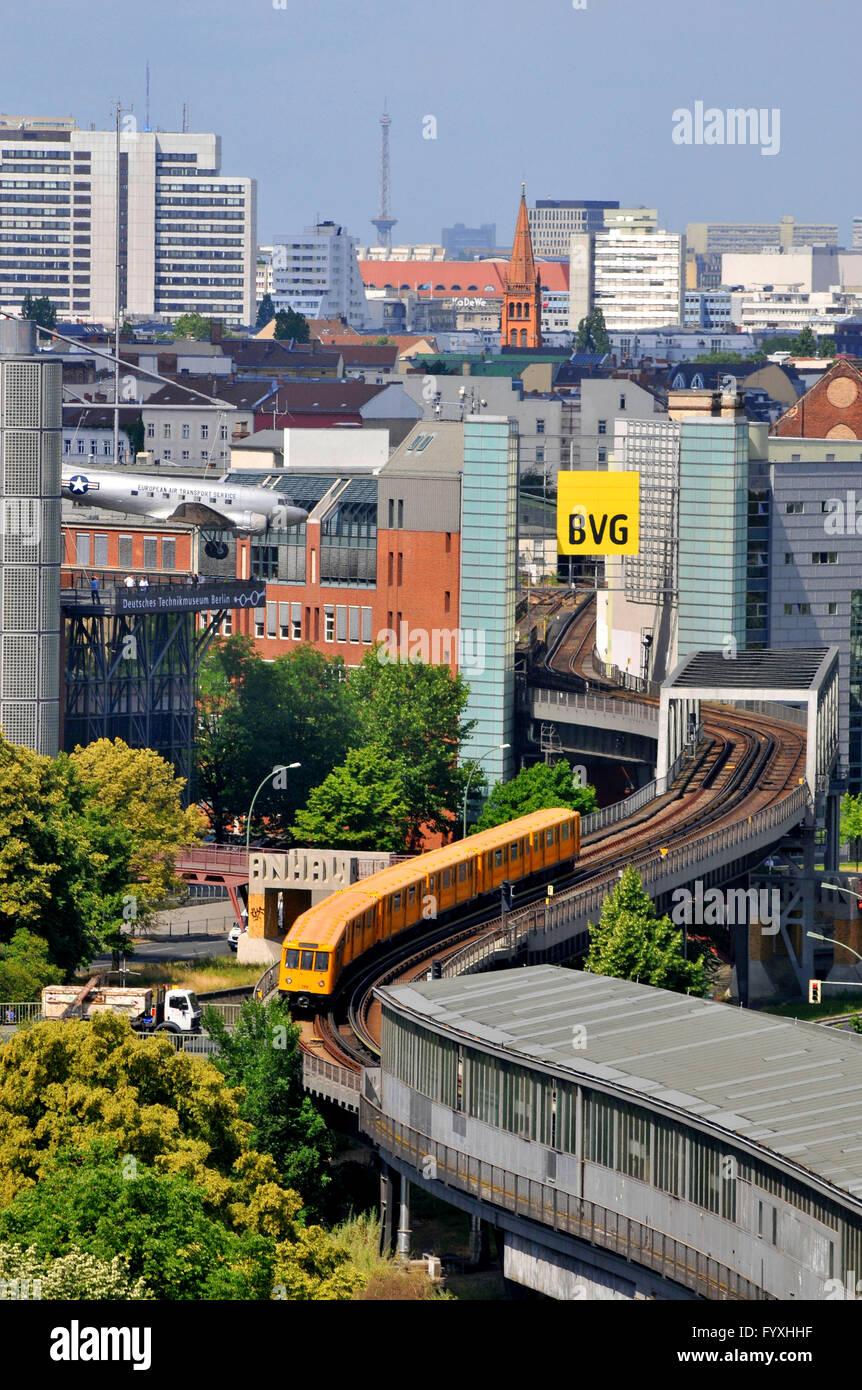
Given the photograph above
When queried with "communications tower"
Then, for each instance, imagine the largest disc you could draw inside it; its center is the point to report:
(384, 221)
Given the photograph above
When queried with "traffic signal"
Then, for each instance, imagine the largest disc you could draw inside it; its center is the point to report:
(436, 970)
(507, 894)
(814, 987)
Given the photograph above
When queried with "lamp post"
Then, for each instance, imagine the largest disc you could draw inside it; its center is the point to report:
(282, 767)
(831, 939)
(477, 764)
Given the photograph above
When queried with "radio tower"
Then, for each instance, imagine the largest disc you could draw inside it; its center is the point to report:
(384, 222)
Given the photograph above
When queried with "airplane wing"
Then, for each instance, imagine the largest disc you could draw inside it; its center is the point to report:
(199, 514)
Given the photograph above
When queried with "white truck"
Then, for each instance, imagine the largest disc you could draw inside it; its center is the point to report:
(165, 1009)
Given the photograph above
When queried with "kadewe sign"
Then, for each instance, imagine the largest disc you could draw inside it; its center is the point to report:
(598, 513)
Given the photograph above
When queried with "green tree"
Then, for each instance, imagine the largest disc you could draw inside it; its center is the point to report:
(631, 942)
(826, 347)
(361, 805)
(718, 358)
(535, 788)
(143, 794)
(413, 713)
(592, 334)
(805, 343)
(851, 822)
(39, 310)
(255, 714)
(25, 967)
(192, 326)
(289, 324)
(73, 1275)
(262, 1057)
(265, 313)
(64, 858)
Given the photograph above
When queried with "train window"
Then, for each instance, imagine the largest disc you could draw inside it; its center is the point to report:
(549, 837)
(498, 858)
(447, 877)
(513, 851)
(564, 833)
(411, 893)
(462, 871)
(291, 960)
(432, 883)
(321, 960)
(396, 902)
(307, 960)
(487, 861)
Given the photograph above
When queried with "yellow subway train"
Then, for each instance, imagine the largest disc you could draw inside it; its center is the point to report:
(331, 936)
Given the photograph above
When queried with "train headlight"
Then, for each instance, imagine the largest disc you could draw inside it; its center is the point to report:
(322, 984)
(290, 979)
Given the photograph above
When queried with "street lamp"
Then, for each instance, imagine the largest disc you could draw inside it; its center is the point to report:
(282, 767)
(831, 939)
(476, 765)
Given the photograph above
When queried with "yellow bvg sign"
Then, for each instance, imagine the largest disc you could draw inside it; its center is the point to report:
(598, 513)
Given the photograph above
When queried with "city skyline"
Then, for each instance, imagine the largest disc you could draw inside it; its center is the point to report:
(298, 104)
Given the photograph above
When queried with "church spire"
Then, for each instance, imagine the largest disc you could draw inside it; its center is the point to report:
(522, 266)
(521, 321)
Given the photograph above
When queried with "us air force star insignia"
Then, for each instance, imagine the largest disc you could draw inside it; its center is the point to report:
(81, 484)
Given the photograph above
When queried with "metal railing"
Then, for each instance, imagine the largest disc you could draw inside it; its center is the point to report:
(597, 820)
(772, 709)
(316, 1068)
(213, 857)
(563, 1211)
(599, 704)
(15, 1013)
(268, 982)
(585, 904)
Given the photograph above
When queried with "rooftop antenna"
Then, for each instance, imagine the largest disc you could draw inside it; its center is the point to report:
(147, 120)
(185, 118)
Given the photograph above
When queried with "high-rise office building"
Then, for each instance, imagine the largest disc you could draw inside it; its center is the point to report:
(705, 237)
(638, 278)
(187, 234)
(31, 393)
(553, 222)
(460, 242)
(316, 273)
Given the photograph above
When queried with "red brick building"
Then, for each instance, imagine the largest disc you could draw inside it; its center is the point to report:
(832, 409)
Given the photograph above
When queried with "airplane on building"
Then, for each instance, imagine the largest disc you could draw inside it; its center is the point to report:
(214, 507)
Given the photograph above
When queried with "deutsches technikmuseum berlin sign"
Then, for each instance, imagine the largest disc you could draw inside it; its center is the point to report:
(598, 513)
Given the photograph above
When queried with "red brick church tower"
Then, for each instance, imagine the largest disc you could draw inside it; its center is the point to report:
(521, 324)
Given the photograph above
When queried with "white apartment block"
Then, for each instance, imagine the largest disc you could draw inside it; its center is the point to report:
(317, 274)
(188, 235)
(263, 273)
(429, 251)
(638, 278)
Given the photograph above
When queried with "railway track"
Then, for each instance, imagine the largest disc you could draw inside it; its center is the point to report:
(748, 763)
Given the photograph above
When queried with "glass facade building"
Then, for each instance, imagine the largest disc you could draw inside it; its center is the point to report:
(489, 548)
(713, 534)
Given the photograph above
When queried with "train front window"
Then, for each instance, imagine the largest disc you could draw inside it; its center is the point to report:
(321, 960)
(462, 872)
(307, 960)
(498, 858)
(549, 838)
(513, 851)
(291, 960)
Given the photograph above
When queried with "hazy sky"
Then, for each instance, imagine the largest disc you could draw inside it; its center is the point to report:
(577, 102)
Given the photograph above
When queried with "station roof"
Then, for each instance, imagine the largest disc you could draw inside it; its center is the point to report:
(791, 669)
(793, 1088)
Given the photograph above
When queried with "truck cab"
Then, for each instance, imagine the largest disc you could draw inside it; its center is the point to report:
(174, 1011)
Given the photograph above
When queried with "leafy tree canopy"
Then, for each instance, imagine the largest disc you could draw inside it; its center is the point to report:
(265, 313)
(592, 334)
(192, 326)
(261, 1056)
(141, 791)
(536, 788)
(290, 324)
(851, 821)
(632, 943)
(360, 805)
(39, 310)
(25, 967)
